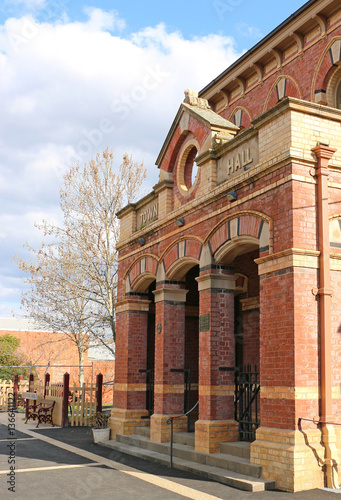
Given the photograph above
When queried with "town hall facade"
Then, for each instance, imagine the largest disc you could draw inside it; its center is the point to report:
(230, 269)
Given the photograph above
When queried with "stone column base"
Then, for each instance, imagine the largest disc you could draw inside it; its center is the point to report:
(160, 430)
(124, 421)
(294, 459)
(209, 433)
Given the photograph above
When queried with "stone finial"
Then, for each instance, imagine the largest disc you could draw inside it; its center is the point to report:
(191, 98)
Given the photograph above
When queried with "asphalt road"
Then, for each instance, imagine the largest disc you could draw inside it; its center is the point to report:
(65, 464)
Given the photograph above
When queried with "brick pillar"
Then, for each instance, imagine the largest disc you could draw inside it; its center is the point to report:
(131, 357)
(289, 372)
(216, 349)
(170, 305)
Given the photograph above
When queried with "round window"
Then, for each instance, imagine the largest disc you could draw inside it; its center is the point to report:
(188, 169)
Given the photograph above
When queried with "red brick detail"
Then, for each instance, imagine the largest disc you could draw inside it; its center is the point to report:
(195, 129)
(168, 160)
(288, 345)
(198, 129)
(169, 353)
(249, 225)
(273, 99)
(148, 263)
(323, 71)
(299, 68)
(131, 356)
(216, 348)
(220, 237)
(192, 249)
(246, 116)
(292, 90)
(251, 343)
(336, 346)
(171, 256)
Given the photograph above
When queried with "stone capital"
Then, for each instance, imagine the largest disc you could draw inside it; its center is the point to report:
(170, 295)
(132, 304)
(217, 281)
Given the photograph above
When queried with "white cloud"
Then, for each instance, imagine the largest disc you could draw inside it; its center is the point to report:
(249, 31)
(29, 4)
(68, 88)
(100, 19)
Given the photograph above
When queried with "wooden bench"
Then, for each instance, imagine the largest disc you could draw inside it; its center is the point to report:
(41, 412)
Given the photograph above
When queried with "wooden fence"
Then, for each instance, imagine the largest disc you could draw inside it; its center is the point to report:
(13, 387)
(82, 404)
(73, 406)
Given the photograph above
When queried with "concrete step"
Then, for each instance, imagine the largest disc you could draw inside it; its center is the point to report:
(142, 431)
(222, 460)
(238, 449)
(240, 481)
(186, 438)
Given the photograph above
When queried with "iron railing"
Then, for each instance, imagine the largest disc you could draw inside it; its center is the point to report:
(170, 421)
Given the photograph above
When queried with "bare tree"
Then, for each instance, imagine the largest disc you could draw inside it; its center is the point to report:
(73, 277)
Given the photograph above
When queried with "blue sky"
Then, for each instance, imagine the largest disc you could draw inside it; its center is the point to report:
(72, 80)
(244, 20)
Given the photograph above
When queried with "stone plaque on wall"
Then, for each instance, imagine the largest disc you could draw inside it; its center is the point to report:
(147, 214)
(238, 160)
(204, 322)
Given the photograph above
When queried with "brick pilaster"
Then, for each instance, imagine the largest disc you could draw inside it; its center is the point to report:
(170, 303)
(216, 347)
(131, 357)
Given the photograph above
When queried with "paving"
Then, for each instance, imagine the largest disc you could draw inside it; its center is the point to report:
(65, 464)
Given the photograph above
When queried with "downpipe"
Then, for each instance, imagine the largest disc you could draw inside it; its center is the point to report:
(324, 154)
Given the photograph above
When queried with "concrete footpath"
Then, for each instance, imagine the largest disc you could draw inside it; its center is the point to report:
(65, 464)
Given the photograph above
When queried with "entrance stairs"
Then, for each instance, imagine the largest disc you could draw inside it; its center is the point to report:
(231, 466)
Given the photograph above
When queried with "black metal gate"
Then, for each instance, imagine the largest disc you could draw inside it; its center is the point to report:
(246, 400)
(247, 390)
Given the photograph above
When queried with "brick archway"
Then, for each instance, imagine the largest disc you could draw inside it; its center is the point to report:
(284, 86)
(179, 258)
(326, 68)
(141, 274)
(242, 230)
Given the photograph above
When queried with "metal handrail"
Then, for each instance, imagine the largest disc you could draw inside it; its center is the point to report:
(170, 421)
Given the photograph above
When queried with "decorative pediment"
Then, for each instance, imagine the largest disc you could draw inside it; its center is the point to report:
(195, 115)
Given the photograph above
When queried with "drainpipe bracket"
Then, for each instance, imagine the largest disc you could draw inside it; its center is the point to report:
(325, 291)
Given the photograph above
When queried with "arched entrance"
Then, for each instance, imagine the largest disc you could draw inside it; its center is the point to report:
(140, 283)
(246, 339)
(176, 338)
(229, 287)
(186, 270)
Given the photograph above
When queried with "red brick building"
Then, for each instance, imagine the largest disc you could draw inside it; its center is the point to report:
(56, 354)
(234, 259)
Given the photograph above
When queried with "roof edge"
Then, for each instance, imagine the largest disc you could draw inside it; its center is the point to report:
(268, 37)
